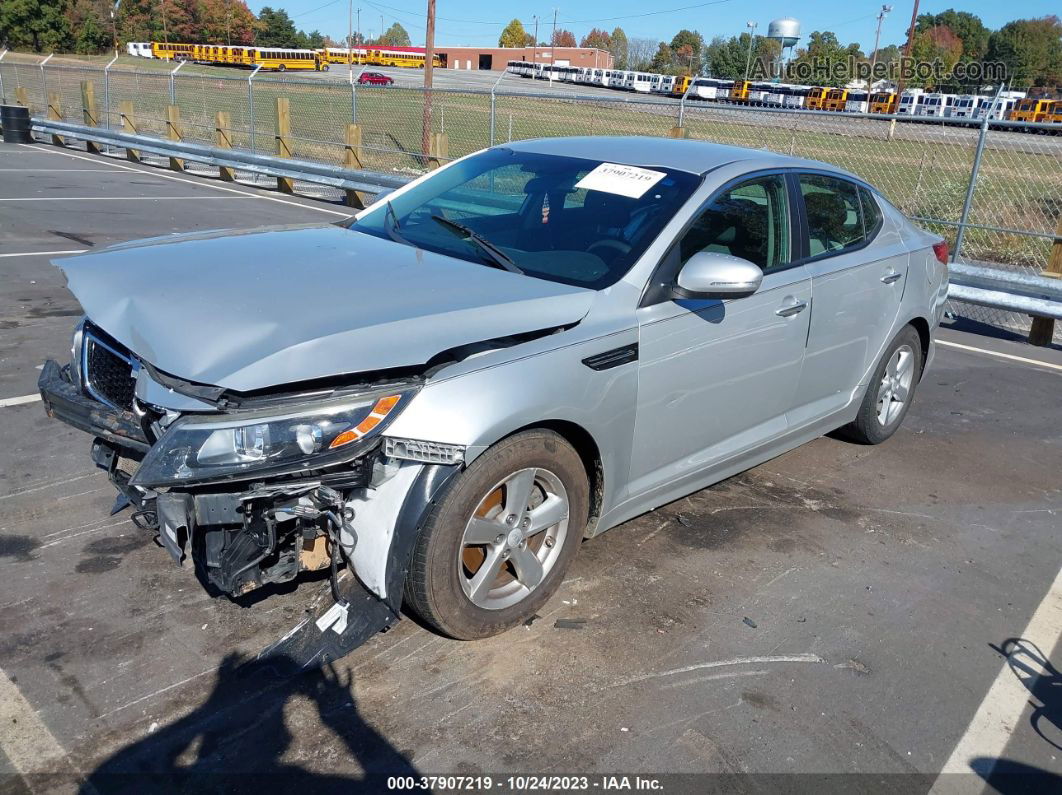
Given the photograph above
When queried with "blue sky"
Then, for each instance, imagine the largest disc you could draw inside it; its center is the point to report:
(479, 22)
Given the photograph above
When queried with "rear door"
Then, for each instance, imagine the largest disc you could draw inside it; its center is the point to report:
(857, 261)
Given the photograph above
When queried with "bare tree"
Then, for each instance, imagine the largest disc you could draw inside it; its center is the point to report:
(640, 52)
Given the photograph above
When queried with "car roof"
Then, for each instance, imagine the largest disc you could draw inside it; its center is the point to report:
(679, 154)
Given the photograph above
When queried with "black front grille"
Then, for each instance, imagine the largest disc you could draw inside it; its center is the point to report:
(108, 375)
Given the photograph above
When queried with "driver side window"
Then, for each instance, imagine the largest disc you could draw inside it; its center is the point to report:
(749, 220)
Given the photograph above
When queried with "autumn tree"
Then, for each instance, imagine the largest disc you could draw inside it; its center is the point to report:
(968, 27)
(225, 22)
(596, 38)
(563, 38)
(513, 35)
(936, 45)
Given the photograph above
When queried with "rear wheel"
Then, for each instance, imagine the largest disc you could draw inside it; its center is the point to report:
(496, 547)
(892, 386)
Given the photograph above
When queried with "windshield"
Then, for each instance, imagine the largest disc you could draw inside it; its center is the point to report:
(548, 215)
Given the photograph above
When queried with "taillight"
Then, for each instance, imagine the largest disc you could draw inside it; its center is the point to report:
(941, 250)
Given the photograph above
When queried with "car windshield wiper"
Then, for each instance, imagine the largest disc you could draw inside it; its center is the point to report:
(496, 255)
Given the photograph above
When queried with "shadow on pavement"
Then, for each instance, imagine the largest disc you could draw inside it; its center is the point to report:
(236, 739)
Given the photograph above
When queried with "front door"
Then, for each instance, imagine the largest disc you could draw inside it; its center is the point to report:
(717, 377)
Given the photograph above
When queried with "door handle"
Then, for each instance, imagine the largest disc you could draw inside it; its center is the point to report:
(889, 278)
(792, 309)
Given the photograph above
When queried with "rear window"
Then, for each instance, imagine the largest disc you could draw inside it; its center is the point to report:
(835, 219)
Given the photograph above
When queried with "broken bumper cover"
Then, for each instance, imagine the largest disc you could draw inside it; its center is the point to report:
(65, 401)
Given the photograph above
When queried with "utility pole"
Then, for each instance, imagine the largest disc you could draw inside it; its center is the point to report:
(553, 45)
(752, 37)
(381, 29)
(350, 40)
(165, 32)
(114, 26)
(534, 44)
(906, 53)
(429, 56)
(874, 55)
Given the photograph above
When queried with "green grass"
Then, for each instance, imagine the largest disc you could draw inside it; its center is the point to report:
(1019, 187)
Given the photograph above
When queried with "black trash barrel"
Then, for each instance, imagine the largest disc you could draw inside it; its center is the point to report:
(15, 120)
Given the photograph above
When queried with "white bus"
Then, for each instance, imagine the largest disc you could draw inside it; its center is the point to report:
(910, 101)
(640, 82)
(618, 78)
(795, 96)
(665, 84)
(139, 49)
(857, 101)
(937, 105)
(970, 106)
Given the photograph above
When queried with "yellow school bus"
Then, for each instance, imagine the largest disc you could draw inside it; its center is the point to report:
(171, 52)
(1054, 112)
(1029, 110)
(279, 59)
(408, 57)
(682, 85)
(740, 91)
(816, 98)
(359, 55)
(221, 54)
(835, 99)
(882, 102)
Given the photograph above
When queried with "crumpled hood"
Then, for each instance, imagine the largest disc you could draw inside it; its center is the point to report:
(246, 311)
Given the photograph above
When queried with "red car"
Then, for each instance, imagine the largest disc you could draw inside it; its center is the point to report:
(375, 79)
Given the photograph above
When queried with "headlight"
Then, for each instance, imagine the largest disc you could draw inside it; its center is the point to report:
(238, 445)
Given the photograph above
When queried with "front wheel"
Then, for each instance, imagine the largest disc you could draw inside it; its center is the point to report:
(892, 386)
(496, 547)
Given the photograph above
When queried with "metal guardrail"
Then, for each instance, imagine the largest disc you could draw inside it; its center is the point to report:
(1013, 291)
(267, 165)
(1039, 296)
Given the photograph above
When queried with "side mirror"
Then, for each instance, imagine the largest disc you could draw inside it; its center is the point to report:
(711, 275)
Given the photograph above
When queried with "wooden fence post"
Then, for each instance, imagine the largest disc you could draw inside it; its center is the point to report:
(284, 184)
(1043, 328)
(439, 150)
(21, 97)
(678, 132)
(55, 113)
(352, 159)
(125, 108)
(173, 131)
(223, 138)
(88, 109)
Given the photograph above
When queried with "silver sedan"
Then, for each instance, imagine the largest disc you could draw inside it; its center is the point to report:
(447, 394)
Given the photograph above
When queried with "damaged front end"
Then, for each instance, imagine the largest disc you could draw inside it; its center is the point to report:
(254, 490)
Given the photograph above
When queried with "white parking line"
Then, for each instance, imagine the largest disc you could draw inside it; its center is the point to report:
(125, 198)
(45, 253)
(27, 743)
(62, 170)
(1009, 356)
(18, 401)
(203, 184)
(990, 730)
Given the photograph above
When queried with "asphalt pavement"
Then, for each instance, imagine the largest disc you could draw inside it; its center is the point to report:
(862, 616)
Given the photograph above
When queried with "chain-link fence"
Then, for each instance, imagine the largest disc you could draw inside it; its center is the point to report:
(1002, 187)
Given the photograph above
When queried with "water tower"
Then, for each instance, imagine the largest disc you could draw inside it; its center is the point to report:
(786, 31)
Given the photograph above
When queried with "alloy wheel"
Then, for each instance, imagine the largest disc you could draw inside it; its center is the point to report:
(513, 538)
(895, 387)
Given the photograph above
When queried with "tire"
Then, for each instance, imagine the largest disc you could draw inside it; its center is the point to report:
(894, 380)
(442, 586)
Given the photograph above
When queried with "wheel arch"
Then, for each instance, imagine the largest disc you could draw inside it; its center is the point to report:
(921, 325)
(589, 452)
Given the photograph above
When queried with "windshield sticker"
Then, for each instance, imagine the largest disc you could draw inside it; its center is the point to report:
(629, 181)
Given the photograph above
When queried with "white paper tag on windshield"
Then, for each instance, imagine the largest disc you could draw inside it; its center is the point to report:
(629, 181)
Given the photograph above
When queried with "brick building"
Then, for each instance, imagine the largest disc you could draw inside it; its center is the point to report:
(496, 58)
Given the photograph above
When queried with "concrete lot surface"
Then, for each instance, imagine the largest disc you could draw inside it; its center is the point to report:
(888, 611)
